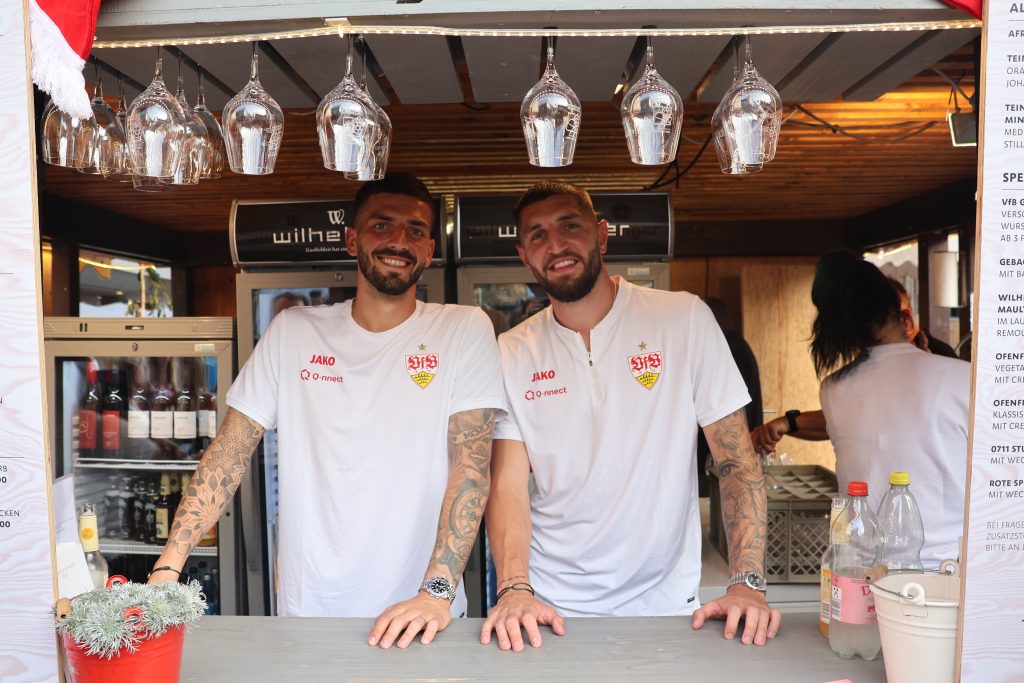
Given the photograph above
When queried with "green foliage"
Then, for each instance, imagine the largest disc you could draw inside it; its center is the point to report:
(98, 625)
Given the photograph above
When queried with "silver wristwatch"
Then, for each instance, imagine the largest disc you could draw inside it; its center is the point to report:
(752, 580)
(439, 587)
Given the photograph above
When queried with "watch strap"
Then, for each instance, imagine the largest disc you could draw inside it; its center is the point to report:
(751, 580)
(791, 416)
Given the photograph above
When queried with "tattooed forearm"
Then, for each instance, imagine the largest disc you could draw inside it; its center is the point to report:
(215, 481)
(469, 480)
(741, 483)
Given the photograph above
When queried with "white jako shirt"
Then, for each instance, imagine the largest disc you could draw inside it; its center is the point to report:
(616, 527)
(905, 410)
(362, 422)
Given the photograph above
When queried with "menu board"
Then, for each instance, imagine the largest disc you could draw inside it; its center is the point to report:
(992, 617)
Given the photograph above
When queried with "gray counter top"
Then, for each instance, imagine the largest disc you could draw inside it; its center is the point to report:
(255, 649)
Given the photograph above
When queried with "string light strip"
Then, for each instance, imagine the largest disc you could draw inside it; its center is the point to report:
(342, 27)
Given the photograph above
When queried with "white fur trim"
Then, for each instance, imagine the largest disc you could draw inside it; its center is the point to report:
(56, 68)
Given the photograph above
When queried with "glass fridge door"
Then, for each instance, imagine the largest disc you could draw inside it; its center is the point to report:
(260, 297)
(130, 420)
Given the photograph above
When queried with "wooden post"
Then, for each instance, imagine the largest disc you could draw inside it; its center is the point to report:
(28, 651)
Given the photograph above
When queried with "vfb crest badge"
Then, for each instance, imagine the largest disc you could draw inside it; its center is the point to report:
(422, 368)
(646, 368)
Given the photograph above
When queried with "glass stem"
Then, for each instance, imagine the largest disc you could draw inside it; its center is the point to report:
(351, 55)
(362, 68)
(254, 71)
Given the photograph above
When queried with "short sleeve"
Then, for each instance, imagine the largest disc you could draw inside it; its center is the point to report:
(718, 387)
(254, 391)
(477, 368)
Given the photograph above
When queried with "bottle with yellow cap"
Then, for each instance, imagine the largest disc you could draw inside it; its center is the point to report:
(901, 527)
(89, 535)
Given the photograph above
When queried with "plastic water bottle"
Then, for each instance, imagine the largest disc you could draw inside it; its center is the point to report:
(825, 606)
(900, 525)
(853, 627)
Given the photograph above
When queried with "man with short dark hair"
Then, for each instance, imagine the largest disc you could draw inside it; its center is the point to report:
(384, 407)
(606, 389)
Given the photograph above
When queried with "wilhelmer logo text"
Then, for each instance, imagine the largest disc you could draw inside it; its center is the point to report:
(306, 235)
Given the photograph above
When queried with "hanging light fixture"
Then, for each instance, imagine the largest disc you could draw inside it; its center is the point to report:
(652, 116)
(346, 124)
(156, 129)
(746, 122)
(551, 117)
(252, 124)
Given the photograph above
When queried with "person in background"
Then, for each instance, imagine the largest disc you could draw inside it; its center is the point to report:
(606, 390)
(746, 362)
(810, 425)
(917, 335)
(286, 300)
(384, 407)
(886, 404)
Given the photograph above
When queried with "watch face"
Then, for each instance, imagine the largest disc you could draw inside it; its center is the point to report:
(438, 587)
(755, 581)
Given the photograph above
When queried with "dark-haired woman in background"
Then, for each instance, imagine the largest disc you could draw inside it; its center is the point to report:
(888, 405)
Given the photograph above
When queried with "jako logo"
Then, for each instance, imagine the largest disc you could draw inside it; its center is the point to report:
(322, 360)
(543, 375)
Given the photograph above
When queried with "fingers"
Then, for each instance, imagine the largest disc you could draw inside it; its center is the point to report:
(502, 635)
(415, 625)
(532, 631)
(553, 619)
(396, 627)
(732, 621)
(712, 610)
(430, 631)
(515, 633)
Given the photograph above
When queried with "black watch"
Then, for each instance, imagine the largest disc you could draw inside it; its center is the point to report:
(791, 419)
(439, 587)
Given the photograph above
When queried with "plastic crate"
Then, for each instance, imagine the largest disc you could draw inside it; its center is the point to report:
(798, 514)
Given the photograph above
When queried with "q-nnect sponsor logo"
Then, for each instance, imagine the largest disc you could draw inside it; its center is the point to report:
(535, 394)
(307, 375)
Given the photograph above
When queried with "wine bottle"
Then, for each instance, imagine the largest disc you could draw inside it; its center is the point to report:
(162, 405)
(88, 414)
(113, 412)
(163, 508)
(138, 405)
(185, 419)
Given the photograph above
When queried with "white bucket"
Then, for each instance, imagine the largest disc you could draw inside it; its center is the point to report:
(917, 619)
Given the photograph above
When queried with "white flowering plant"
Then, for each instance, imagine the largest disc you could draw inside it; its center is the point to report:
(105, 621)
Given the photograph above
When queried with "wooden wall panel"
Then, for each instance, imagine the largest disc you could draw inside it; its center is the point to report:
(778, 314)
(212, 291)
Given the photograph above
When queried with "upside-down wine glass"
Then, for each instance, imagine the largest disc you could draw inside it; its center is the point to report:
(195, 145)
(115, 154)
(346, 123)
(746, 122)
(252, 124)
(551, 118)
(377, 161)
(652, 116)
(216, 153)
(156, 131)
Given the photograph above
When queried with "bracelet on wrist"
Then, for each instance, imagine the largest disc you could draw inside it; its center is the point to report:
(164, 568)
(521, 586)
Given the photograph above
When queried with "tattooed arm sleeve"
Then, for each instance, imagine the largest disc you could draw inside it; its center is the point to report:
(741, 484)
(469, 481)
(214, 483)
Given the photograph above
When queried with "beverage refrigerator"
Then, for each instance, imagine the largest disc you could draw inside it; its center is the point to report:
(491, 276)
(132, 405)
(291, 254)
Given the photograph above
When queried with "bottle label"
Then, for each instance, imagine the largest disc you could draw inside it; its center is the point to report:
(162, 424)
(111, 430)
(185, 424)
(826, 595)
(211, 423)
(138, 424)
(852, 601)
(204, 423)
(87, 531)
(161, 524)
(87, 430)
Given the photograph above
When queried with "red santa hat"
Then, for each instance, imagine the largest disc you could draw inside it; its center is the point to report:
(62, 35)
(969, 6)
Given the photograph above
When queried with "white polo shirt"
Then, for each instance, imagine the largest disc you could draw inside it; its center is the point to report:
(612, 437)
(906, 410)
(362, 422)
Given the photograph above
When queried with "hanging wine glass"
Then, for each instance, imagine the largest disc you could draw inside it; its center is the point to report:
(215, 152)
(194, 147)
(652, 116)
(156, 129)
(115, 156)
(347, 125)
(252, 125)
(551, 117)
(747, 121)
(89, 136)
(59, 137)
(376, 161)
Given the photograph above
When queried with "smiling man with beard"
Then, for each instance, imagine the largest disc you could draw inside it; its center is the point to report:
(606, 388)
(384, 407)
